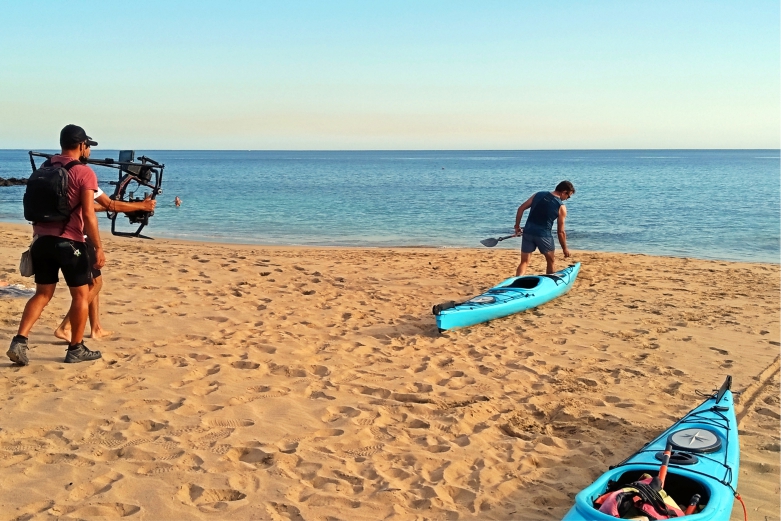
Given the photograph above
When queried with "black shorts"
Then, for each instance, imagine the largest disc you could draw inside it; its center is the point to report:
(92, 256)
(50, 254)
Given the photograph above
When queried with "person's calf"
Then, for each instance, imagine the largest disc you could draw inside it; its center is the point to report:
(78, 313)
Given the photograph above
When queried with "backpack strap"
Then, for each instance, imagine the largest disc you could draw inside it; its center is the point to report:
(68, 168)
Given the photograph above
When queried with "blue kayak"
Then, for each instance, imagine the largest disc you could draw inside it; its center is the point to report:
(705, 460)
(511, 296)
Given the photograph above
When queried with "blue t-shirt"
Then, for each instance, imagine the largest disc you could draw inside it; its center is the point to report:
(544, 210)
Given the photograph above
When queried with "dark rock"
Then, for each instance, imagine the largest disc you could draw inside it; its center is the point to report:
(13, 181)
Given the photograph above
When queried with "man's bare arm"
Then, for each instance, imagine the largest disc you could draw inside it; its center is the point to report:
(519, 214)
(560, 230)
(104, 203)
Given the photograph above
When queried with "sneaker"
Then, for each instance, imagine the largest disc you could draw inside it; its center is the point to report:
(80, 353)
(18, 351)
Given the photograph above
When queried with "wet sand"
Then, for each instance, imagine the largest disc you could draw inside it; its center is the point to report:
(253, 382)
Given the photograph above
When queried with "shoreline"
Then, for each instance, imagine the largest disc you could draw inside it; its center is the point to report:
(106, 234)
(261, 381)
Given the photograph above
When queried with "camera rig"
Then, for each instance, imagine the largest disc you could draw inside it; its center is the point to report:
(133, 177)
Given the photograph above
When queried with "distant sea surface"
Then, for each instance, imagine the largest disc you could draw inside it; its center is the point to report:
(710, 204)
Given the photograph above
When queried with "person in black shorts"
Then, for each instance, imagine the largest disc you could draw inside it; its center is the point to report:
(545, 207)
(102, 204)
(59, 246)
(95, 284)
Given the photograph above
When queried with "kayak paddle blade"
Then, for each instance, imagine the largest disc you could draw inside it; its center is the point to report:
(493, 242)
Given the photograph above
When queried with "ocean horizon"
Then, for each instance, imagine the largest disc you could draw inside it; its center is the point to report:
(710, 204)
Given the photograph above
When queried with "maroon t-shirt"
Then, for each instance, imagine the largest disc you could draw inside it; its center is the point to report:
(80, 178)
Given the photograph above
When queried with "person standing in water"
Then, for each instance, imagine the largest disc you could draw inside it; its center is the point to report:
(546, 207)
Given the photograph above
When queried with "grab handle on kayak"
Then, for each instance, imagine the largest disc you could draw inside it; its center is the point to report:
(726, 386)
(439, 308)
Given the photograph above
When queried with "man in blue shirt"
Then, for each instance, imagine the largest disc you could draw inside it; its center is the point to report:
(546, 207)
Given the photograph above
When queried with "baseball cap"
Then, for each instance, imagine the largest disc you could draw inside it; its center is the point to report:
(72, 135)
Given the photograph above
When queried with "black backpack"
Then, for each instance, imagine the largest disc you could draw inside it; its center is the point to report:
(46, 196)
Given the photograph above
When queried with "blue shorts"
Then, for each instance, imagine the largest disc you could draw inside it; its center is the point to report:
(529, 243)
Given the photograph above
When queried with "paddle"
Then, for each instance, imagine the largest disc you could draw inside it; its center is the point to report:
(695, 500)
(493, 242)
(665, 461)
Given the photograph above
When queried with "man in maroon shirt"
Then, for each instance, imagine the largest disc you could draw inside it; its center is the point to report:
(62, 248)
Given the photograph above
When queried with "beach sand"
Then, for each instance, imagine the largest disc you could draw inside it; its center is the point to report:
(281, 383)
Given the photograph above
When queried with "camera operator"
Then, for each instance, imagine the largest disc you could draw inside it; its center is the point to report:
(59, 247)
(102, 204)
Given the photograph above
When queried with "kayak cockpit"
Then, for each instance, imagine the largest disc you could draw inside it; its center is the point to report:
(524, 283)
(680, 488)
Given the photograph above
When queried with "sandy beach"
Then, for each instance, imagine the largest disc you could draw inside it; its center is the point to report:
(281, 383)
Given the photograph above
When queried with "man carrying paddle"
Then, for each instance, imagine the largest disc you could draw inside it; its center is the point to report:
(546, 207)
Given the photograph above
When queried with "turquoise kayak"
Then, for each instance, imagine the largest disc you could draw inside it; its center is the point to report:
(514, 295)
(705, 461)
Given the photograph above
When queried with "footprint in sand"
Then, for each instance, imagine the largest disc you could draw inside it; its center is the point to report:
(287, 446)
(155, 469)
(245, 364)
(364, 452)
(215, 422)
(69, 459)
(339, 413)
(96, 486)
(259, 392)
(208, 439)
(251, 455)
(210, 499)
(283, 511)
(422, 388)
(323, 434)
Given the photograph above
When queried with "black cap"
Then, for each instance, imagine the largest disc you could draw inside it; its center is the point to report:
(72, 135)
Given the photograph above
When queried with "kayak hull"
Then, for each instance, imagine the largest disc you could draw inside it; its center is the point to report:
(511, 296)
(714, 474)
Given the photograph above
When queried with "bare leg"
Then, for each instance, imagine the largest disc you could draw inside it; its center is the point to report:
(96, 331)
(78, 312)
(64, 329)
(34, 307)
(550, 259)
(523, 265)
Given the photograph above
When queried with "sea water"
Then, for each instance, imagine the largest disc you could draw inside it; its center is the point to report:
(711, 204)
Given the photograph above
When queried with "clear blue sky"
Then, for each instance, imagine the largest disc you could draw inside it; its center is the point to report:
(392, 75)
